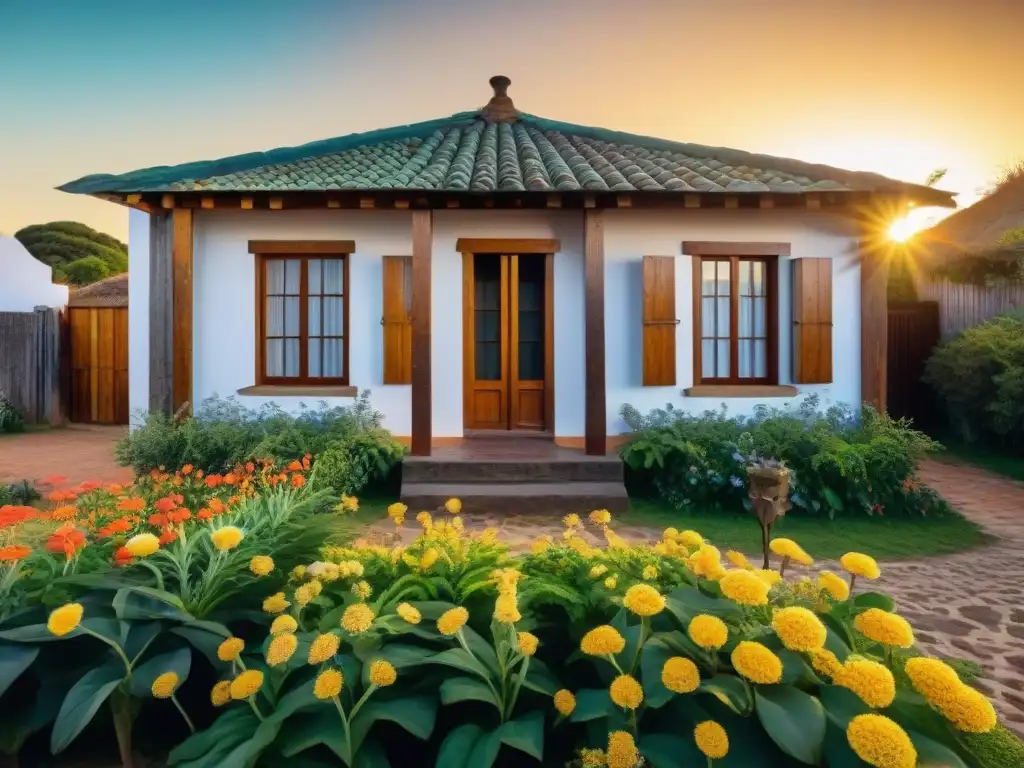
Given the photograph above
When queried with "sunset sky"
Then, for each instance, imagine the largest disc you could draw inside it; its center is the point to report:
(900, 87)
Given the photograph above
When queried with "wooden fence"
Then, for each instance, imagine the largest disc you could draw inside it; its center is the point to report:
(913, 334)
(98, 364)
(963, 306)
(30, 363)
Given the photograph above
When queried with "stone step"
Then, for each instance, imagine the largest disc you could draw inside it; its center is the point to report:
(519, 498)
(428, 469)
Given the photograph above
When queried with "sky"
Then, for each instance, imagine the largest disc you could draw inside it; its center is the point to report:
(900, 87)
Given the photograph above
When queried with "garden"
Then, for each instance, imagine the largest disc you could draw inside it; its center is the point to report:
(223, 610)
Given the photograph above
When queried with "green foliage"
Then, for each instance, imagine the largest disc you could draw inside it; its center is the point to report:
(74, 250)
(223, 434)
(11, 419)
(978, 377)
(840, 462)
(20, 493)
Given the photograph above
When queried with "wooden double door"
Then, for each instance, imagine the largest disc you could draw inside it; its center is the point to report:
(508, 342)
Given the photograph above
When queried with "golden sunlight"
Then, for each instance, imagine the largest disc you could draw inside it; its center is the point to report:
(916, 220)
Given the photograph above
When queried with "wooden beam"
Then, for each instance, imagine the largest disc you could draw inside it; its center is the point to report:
(133, 199)
(691, 201)
(507, 245)
(161, 317)
(333, 202)
(766, 201)
(813, 201)
(595, 399)
(181, 248)
(366, 202)
(422, 407)
(276, 203)
(725, 248)
(623, 201)
(246, 203)
(206, 202)
(874, 322)
(451, 202)
(401, 204)
(589, 201)
(167, 201)
(302, 246)
(731, 201)
(554, 201)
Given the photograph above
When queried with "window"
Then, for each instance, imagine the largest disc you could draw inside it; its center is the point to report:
(735, 320)
(302, 319)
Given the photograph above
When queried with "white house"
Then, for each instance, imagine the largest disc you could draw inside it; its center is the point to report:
(494, 273)
(25, 282)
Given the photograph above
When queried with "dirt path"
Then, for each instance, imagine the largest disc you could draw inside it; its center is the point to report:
(78, 452)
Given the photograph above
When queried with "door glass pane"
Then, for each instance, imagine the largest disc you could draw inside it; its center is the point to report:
(531, 318)
(275, 316)
(488, 361)
(487, 317)
(314, 357)
(275, 276)
(313, 281)
(334, 316)
(293, 268)
(334, 276)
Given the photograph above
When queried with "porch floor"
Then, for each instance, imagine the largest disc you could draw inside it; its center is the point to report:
(509, 449)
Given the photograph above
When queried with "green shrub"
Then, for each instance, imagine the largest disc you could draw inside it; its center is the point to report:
(11, 419)
(224, 433)
(20, 493)
(978, 377)
(841, 462)
(357, 461)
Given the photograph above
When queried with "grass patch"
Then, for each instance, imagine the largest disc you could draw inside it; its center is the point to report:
(997, 462)
(884, 538)
(352, 525)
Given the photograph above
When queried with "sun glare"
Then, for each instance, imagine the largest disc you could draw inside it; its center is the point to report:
(917, 219)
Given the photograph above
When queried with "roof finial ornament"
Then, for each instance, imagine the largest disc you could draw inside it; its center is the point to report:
(500, 108)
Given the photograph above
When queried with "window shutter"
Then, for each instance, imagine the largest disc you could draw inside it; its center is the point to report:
(812, 321)
(397, 320)
(660, 321)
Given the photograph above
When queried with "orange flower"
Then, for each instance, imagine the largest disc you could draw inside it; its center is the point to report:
(295, 466)
(217, 506)
(305, 461)
(115, 488)
(177, 481)
(122, 557)
(274, 480)
(250, 467)
(67, 540)
(166, 504)
(212, 481)
(64, 512)
(229, 479)
(131, 504)
(187, 469)
(62, 496)
(298, 481)
(53, 480)
(204, 514)
(179, 515)
(157, 520)
(199, 474)
(234, 500)
(167, 536)
(90, 485)
(121, 525)
(11, 515)
(14, 552)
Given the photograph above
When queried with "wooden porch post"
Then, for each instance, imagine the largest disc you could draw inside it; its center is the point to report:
(595, 398)
(874, 322)
(182, 337)
(161, 319)
(422, 236)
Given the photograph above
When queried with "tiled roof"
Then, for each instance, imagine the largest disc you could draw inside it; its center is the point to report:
(478, 152)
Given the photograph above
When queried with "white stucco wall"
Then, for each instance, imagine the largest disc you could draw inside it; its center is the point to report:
(632, 234)
(138, 312)
(26, 283)
(224, 310)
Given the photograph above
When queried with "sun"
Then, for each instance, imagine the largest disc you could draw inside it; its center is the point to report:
(917, 219)
(903, 229)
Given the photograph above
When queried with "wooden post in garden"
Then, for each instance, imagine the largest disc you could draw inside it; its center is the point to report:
(769, 494)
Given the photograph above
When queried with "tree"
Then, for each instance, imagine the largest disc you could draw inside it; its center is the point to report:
(62, 243)
(87, 270)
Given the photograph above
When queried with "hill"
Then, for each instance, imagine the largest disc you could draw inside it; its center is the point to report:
(78, 253)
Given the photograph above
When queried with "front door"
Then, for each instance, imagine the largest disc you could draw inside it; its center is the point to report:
(507, 341)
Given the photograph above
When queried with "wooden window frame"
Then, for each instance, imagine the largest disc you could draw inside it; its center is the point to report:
(737, 253)
(283, 252)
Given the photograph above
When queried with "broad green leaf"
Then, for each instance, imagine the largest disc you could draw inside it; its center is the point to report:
(178, 661)
(366, 647)
(138, 636)
(266, 733)
(402, 656)
(837, 644)
(38, 633)
(836, 749)
(371, 755)
(431, 610)
(652, 659)
(865, 600)
(305, 731)
(82, 701)
(526, 734)
(932, 754)
(135, 603)
(456, 689)
(416, 714)
(482, 649)
(236, 725)
(663, 750)
(733, 691)
(203, 640)
(458, 746)
(540, 678)
(591, 703)
(833, 500)
(794, 667)
(794, 720)
(460, 659)
(14, 659)
(841, 704)
(299, 698)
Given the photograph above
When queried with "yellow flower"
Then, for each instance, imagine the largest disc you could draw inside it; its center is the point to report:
(643, 600)
(691, 540)
(323, 648)
(744, 587)
(836, 587)
(826, 663)
(711, 739)
(227, 538)
(230, 649)
(489, 537)
(799, 629)
(598, 571)
(622, 751)
(872, 681)
(65, 619)
(860, 565)
(453, 506)
(261, 565)
(528, 643)
(382, 673)
(281, 649)
(680, 675)
(757, 663)
(572, 520)
(246, 684)
(304, 595)
(298, 572)
(610, 582)
(738, 559)
(880, 742)
(506, 611)
(506, 580)
(705, 561)
(357, 618)
(425, 520)
(709, 632)
(348, 504)
(221, 693)
(164, 685)
(935, 680)
(592, 758)
(362, 590)
(768, 576)
(565, 702)
(669, 534)
(452, 621)
(970, 711)
(283, 625)
(409, 614)
(626, 692)
(650, 573)
(540, 545)
(428, 558)
(275, 603)
(885, 628)
(397, 512)
(600, 517)
(792, 550)
(142, 545)
(602, 641)
(328, 683)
